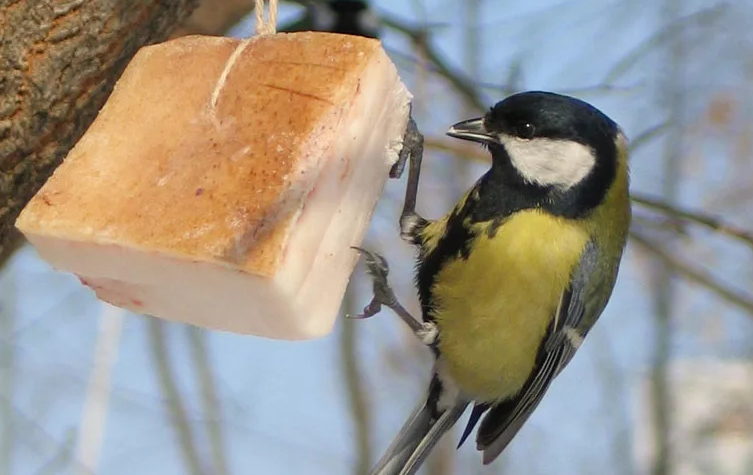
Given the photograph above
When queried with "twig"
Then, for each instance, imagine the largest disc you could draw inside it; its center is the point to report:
(61, 458)
(174, 399)
(708, 221)
(575, 91)
(7, 375)
(659, 38)
(662, 278)
(91, 430)
(198, 344)
(37, 438)
(461, 150)
(421, 39)
(693, 274)
(648, 135)
(354, 386)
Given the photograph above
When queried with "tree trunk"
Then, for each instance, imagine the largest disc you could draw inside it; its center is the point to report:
(60, 60)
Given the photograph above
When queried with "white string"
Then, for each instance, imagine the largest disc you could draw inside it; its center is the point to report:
(266, 26)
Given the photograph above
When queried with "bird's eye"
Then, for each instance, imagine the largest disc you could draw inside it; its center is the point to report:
(525, 130)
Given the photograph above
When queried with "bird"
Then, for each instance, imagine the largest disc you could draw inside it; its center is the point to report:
(348, 17)
(512, 279)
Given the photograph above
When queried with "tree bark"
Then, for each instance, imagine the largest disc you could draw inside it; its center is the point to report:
(60, 60)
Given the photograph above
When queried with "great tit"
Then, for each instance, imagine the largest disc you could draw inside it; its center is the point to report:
(514, 277)
(348, 17)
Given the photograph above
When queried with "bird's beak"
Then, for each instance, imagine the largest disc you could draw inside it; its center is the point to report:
(473, 130)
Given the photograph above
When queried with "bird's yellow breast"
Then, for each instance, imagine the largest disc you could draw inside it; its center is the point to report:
(493, 309)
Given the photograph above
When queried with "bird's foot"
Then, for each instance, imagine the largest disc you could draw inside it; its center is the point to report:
(428, 334)
(413, 144)
(378, 268)
(412, 152)
(410, 225)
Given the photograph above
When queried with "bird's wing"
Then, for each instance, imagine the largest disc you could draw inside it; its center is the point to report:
(576, 313)
(418, 436)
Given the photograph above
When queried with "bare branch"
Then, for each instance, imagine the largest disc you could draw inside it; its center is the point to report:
(648, 135)
(7, 375)
(660, 38)
(510, 87)
(693, 274)
(176, 407)
(422, 40)
(711, 222)
(354, 385)
(61, 458)
(197, 339)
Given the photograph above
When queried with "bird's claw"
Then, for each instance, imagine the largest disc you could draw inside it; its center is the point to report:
(376, 265)
(378, 268)
(412, 143)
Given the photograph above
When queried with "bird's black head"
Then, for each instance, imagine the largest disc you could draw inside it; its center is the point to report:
(554, 146)
(349, 17)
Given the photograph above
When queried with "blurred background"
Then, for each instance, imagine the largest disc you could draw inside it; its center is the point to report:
(662, 386)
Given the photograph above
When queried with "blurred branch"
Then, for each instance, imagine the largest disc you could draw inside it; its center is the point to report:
(652, 222)
(648, 135)
(94, 413)
(575, 91)
(462, 150)
(61, 458)
(660, 38)
(7, 375)
(37, 439)
(354, 386)
(664, 290)
(197, 338)
(169, 388)
(421, 38)
(711, 222)
(693, 274)
(614, 390)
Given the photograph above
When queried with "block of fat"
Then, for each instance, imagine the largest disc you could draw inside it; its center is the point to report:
(224, 181)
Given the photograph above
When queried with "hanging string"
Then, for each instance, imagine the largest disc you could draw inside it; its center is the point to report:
(266, 26)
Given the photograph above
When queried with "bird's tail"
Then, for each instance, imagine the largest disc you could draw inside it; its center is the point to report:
(415, 440)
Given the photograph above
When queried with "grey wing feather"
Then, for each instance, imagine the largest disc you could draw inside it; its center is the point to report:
(416, 439)
(580, 306)
(591, 287)
(501, 424)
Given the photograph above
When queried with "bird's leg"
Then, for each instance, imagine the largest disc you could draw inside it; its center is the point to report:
(412, 152)
(378, 268)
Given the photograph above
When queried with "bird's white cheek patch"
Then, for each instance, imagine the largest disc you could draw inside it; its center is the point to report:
(549, 162)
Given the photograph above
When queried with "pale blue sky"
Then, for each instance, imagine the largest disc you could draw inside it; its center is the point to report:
(284, 403)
